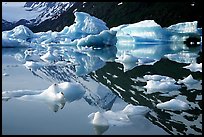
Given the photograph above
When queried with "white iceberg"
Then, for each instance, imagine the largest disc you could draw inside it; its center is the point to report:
(191, 83)
(85, 25)
(194, 67)
(174, 105)
(161, 86)
(158, 78)
(118, 118)
(54, 96)
(148, 31)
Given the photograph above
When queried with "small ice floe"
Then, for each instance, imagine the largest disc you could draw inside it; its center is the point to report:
(158, 78)
(118, 118)
(100, 123)
(194, 67)
(191, 83)
(5, 74)
(161, 86)
(120, 3)
(174, 105)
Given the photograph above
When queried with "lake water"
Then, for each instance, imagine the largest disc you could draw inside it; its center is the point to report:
(108, 87)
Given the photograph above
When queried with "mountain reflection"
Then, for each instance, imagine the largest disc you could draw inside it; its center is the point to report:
(129, 87)
(105, 80)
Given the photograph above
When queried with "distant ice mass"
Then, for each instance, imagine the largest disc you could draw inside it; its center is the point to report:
(87, 30)
(174, 105)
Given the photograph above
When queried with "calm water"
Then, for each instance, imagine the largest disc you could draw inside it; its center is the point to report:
(108, 87)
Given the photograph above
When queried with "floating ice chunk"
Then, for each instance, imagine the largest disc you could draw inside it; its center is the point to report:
(135, 110)
(120, 3)
(191, 83)
(194, 67)
(71, 91)
(158, 78)
(161, 86)
(118, 118)
(22, 32)
(100, 122)
(188, 80)
(174, 105)
(20, 35)
(99, 119)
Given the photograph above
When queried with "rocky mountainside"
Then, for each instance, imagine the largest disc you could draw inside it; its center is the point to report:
(117, 13)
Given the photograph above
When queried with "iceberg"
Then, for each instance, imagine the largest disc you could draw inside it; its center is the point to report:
(194, 67)
(141, 43)
(161, 86)
(118, 118)
(55, 96)
(148, 31)
(158, 78)
(174, 105)
(88, 30)
(191, 83)
(85, 25)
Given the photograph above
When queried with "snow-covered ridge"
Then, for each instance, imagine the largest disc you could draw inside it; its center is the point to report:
(36, 12)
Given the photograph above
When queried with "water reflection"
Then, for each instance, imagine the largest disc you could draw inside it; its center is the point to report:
(104, 80)
(130, 87)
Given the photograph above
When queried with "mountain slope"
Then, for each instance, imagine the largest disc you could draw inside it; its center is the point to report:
(117, 13)
(31, 13)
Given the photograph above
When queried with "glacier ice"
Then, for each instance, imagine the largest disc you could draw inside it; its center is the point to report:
(91, 31)
(142, 43)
